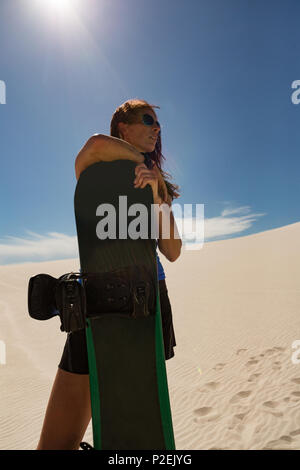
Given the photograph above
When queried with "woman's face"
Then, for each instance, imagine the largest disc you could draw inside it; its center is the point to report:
(141, 136)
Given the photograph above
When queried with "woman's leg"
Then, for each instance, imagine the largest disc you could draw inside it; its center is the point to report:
(167, 320)
(68, 412)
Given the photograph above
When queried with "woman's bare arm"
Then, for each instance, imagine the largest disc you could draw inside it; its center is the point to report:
(170, 246)
(169, 241)
(105, 148)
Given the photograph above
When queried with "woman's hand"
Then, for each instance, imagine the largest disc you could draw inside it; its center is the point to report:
(152, 177)
(162, 188)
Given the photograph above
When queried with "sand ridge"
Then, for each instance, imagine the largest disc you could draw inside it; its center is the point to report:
(232, 382)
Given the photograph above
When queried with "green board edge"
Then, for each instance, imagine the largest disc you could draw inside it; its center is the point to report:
(162, 382)
(94, 387)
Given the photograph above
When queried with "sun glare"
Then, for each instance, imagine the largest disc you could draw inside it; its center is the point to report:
(63, 11)
(62, 6)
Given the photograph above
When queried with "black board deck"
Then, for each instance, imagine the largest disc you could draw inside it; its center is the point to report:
(128, 381)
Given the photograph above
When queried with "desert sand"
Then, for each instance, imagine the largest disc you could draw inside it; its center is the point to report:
(232, 382)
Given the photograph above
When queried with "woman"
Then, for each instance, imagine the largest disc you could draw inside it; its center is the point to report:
(135, 135)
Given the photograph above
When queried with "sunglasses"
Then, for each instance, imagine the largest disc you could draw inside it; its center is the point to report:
(149, 121)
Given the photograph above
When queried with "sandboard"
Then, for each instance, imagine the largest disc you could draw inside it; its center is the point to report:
(128, 380)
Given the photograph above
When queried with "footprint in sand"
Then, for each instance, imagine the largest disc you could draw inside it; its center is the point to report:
(206, 412)
(296, 380)
(282, 441)
(253, 377)
(297, 395)
(278, 348)
(210, 386)
(237, 420)
(270, 407)
(286, 438)
(251, 363)
(269, 352)
(240, 395)
(241, 416)
(219, 366)
(240, 351)
(271, 404)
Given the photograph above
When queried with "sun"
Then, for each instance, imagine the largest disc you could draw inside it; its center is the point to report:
(61, 11)
(62, 6)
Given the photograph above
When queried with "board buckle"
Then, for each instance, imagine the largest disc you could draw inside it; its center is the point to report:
(141, 292)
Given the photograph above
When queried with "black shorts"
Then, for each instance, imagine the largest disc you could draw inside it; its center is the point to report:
(75, 360)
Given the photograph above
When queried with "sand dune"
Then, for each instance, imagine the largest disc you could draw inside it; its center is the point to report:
(232, 382)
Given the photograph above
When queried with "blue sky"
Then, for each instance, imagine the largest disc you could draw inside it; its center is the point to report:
(221, 72)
